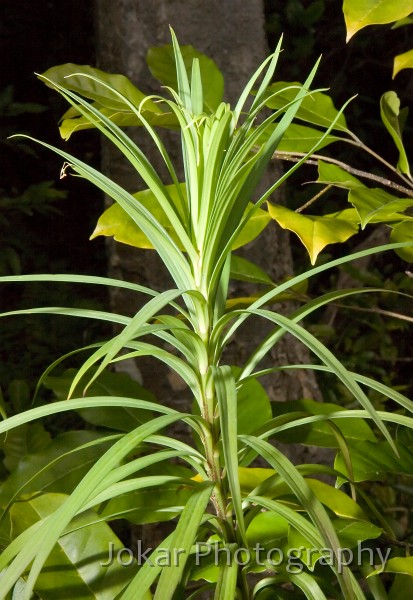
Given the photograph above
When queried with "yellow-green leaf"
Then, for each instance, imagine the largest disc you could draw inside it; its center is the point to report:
(337, 501)
(394, 119)
(360, 13)
(97, 85)
(399, 564)
(250, 478)
(314, 232)
(161, 62)
(117, 223)
(299, 138)
(377, 205)
(121, 118)
(403, 61)
(316, 108)
(333, 175)
(403, 232)
(75, 564)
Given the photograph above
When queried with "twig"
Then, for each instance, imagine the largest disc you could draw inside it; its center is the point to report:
(314, 198)
(297, 156)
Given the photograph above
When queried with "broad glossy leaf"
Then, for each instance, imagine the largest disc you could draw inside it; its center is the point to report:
(254, 407)
(378, 206)
(252, 228)
(400, 564)
(161, 62)
(336, 500)
(73, 569)
(250, 478)
(300, 138)
(151, 505)
(267, 528)
(117, 223)
(82, 80)
(403, 61)
(360, 13)
(333, 175)
(245, 270)
(63, 475)
(350, 533)
(317, 109)
(372, 461)
(26, 439)
(124, 118)
(403, 232)
(394, 119)
(315, 232)
(319, 433)
(107, 384)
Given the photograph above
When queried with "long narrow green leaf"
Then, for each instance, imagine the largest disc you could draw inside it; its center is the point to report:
(308, 585)
(227, 402)
(167, 249)
(274, 336)
(387, 391)
(110, 349)
(271, 295)
(133, 153)
(227, 582)
(50, 531)
(182, 540)
(309, 501)
(328, 358)
(149, 571)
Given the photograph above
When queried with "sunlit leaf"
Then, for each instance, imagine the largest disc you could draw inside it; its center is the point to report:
(253, 403)
(252, 228)
(73, 569)
(315, 232)
(267, 528)
(317, 109)
(403, 61)
(82, 80)
(250, 478)
(350, 533)
(371, 461)
(124, 118)
(394, 119)
(340, 503)
(300, 138)
(400, 564)
(245, 270)
(331, 174)
(360, 13)
(378, 206)
(403, 232)
(162, 65)
(117, 223)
